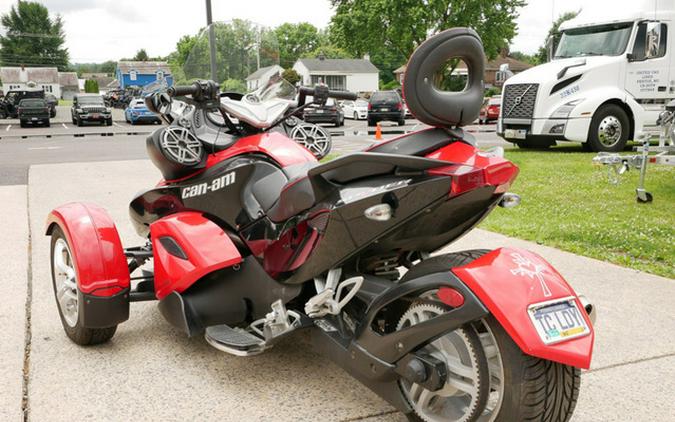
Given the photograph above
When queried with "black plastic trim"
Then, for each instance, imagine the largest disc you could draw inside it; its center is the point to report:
(562, 84)
(103, 311)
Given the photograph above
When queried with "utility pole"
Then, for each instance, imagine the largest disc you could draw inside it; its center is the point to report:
(212, 39)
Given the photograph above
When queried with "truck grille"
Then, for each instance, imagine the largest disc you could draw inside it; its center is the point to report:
(518, 102)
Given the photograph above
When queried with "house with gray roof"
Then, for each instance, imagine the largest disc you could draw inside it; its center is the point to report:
(69, 85)
(355, 75)
(260, 77)
(23, 77)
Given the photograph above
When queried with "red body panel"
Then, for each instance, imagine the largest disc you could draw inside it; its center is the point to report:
(100, 263)
(277, 146)
(207, 247)
(507, 296)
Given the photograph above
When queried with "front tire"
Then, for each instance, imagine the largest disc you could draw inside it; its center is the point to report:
(68, 295)
(609, 129)
(522, 387)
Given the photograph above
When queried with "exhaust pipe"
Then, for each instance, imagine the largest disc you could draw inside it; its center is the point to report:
(589, 307)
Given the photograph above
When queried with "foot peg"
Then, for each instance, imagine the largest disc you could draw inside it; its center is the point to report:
(328, 301)
(236, 341)
(260, 335)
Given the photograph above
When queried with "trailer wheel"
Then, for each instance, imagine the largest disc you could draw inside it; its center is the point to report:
(68, 296)
(609, 129)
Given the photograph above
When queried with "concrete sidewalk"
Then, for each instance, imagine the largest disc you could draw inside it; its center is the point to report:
(152, 372)
(13, 289)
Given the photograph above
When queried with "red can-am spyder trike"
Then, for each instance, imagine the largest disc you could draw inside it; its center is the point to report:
(251, 239)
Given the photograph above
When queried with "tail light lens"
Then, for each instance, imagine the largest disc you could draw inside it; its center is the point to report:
(467, 178)
(370, 106)
(399, 106)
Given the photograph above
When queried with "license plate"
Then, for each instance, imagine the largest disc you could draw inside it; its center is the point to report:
(384, 109)
(558, 320)
(319, 111)
(95, 116)
(515, 133)
(33, 118)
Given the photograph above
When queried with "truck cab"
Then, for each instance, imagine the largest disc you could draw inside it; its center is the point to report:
(606, 84)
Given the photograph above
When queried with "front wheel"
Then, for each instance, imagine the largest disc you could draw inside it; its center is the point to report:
(490, 379)
(68, 296)
(609, 129)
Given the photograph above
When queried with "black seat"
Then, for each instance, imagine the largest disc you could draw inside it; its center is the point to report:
(423, 142)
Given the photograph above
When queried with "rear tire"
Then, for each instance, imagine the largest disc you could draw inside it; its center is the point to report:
(401, 122)
(70, 320)
(534, 388)
(371, 122)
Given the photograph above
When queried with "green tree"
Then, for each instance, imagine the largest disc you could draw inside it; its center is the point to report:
(554, 36)
(523, 57)
(296, 41)
(91, 86)
(329, 52)
(390, 30)
(233, 85)
(32, 38)
(141, 56)
(291, 76)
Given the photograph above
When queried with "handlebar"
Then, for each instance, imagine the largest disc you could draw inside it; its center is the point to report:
(183, 90)
(304, 91)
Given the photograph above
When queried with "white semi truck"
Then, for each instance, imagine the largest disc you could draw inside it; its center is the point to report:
(607, 82)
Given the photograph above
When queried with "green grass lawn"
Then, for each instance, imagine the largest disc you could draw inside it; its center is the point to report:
(66, 103)
(568, 203)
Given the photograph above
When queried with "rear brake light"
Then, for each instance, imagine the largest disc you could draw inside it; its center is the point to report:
(370, 106)
(399, 106)
(467, 178)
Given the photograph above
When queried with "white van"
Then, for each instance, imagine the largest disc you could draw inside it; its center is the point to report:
(606, 84)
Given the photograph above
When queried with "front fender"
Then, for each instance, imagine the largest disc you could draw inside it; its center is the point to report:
(100, 264)
(186, 246)
(500, 283)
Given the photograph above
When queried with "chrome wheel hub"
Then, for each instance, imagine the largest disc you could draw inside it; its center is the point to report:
(65, 282)
(609, 131)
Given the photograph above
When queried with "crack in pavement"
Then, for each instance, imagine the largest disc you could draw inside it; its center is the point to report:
(28, 307)
(374, 415)
(618, 365)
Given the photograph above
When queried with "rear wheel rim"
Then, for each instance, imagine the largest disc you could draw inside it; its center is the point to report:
(65, 282)
(609, 131)
(416, 394)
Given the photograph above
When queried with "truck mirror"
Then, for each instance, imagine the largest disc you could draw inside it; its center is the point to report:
(652, 40)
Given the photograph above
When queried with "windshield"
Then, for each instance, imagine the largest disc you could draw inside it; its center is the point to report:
(602, 40)
(32, 103)
(90, 100)
(276, 87)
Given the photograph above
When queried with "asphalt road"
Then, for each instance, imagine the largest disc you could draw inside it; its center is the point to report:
(66, 143)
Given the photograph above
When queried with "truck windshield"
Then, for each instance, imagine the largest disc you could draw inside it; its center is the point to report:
(601, 40)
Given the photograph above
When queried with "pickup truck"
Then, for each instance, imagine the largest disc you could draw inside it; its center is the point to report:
(33, 111)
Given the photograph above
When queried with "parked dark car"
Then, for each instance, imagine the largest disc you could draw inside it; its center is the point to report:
(90, 108)
(9, 104)
(331, 112)
(33, 111)
(52, 102)
(386, 106)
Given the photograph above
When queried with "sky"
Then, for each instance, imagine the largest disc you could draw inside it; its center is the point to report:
(99, 30)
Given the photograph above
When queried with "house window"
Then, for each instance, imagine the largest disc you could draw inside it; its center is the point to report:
(334, 82)
(132, 75)
(160, 75)
(47, 88)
